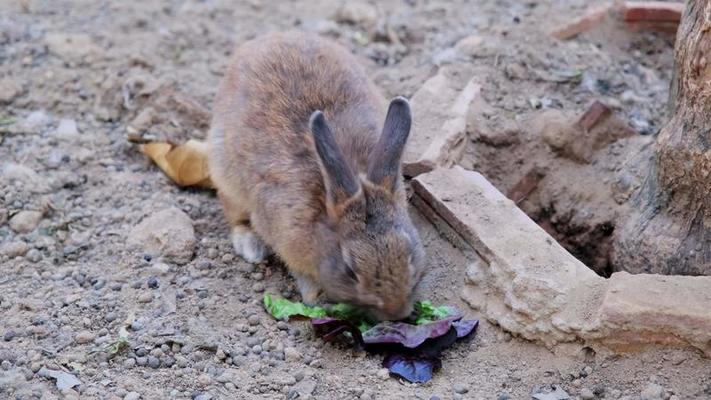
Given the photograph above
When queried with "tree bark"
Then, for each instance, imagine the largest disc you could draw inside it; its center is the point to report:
(670, 230)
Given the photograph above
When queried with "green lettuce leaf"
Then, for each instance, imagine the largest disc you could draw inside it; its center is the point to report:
(285, 309)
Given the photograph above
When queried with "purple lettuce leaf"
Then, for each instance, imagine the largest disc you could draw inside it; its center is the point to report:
(406, 334)
(413, 368)
(330, 328)
(465, 327)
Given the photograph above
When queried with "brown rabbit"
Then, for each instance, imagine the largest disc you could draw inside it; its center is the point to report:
(301, 168)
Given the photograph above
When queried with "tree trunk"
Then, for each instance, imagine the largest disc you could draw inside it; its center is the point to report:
(670, 231)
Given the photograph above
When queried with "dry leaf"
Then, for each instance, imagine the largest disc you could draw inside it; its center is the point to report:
(185, 164)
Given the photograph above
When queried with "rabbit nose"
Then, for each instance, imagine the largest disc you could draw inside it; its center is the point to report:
(399, 311)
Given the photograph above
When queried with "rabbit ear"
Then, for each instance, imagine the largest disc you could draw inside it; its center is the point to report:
(384, 167)
(340, 182)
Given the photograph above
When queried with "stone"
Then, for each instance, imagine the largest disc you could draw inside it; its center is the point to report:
(306, 387)
(590, 19)
(292, 354)
(25, 221)
(587, 394)
(652, 391)
(74, 47)
(84, 337)
(14, 249)
(438, 135)
(132, 396)
(9, 89)
(644, 308)
(169, 233)
(460, 388)
(25, 176)
(66, 130)
(526, 281)
(357, 12)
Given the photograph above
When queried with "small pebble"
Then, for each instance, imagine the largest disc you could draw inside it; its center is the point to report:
(586, 394)
(9, 335)
(129, 363)
(256, 349)
(258, 287)
(84, 337)
(460, 388)
(504, 396)
(152, 282)
(131, 396)
(253, 319)
(142, 361)
(110, 316)
(145, 297)
(153, 362)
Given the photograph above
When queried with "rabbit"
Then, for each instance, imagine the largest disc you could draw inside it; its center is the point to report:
(302, 170)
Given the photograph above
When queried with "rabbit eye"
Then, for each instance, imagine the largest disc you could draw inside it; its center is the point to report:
(351, 274)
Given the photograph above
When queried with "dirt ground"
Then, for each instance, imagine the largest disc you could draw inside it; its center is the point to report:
(77, 76)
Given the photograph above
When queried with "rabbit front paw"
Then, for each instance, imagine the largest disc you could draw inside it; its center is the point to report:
(249, 246)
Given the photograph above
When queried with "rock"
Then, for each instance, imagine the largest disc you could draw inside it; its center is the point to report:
(253, 319)
(305, 388)
(357, 12)
(84, 337)
(168, 232)
(9, 335)
(25, 176)
(383, 374)
(25, 221)
(38, 119)
(34, 255)
(653, 391)
(587, 394)
(439, 128)
(152, 282)
(291, 354)
(471, 46)
(73, 47)
(9, 89)
(66, 130)
(14, 249)
(153, 362)
(460, 388)
(145, 297)
(131, 396)
(557, 394)
(526, 282)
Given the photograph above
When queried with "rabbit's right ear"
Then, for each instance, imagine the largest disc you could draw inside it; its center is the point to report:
(384, 166)
(341, 183)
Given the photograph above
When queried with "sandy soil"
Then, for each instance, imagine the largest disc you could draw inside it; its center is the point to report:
(196, 330)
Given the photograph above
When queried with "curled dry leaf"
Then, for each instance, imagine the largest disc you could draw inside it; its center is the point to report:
(185, 164)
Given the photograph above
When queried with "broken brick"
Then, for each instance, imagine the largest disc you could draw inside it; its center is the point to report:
(579, 140)
(438, 136)
(526, 185)
(652, 11)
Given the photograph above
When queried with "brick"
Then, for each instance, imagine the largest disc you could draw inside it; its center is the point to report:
(637, 310)
(652, 11)
(438, 136)
(580, 138)
(527, 282)
(526, 185)
(589, 20)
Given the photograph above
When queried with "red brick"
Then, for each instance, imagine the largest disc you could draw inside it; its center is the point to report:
(652, 11)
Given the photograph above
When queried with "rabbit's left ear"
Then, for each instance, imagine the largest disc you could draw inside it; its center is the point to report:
(384, 165)
(341, 184)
